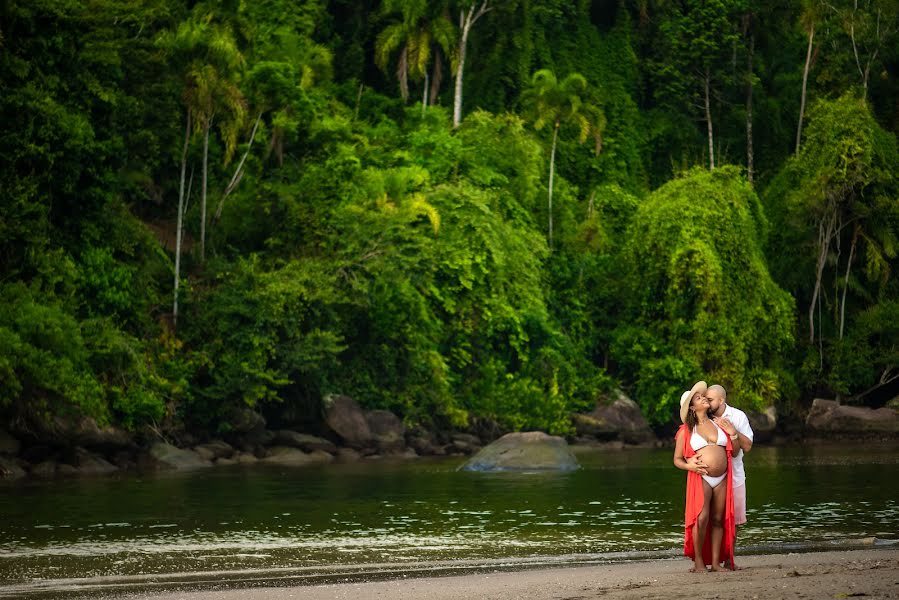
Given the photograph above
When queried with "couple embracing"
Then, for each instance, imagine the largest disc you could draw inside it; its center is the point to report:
(710, 446)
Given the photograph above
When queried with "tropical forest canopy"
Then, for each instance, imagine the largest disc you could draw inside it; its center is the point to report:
(463, 211)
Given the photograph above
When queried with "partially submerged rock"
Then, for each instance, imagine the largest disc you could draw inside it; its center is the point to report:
(465, 443)
(215, 449)
(293, 457)
(829, 416)
(304, 441)
(88, 463)
(530, 451)
(166, 456)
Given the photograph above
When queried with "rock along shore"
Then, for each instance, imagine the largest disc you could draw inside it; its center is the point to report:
(77, 446)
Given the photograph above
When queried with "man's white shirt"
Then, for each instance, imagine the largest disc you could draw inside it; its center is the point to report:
(741, 422)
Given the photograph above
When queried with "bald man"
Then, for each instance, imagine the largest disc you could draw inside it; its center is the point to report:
(735, 423)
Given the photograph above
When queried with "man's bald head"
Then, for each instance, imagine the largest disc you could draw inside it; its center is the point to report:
(717, 396)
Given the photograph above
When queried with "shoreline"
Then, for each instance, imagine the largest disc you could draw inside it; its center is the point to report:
(78, 447)
(16, 471)
(825, 569)
(871, 572)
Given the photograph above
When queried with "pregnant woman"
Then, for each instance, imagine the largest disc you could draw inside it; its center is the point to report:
(704, 450)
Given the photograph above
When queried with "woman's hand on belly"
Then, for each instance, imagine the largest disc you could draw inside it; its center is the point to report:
(715, 459)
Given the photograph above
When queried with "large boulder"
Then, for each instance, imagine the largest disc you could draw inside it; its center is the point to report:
(620, 420)
(166, 456)
(345, 418)
(763, 423)
(387, 430)
(294, 457)
(69, 429)
(303, 441)
(531, 451)
(421, 441)
(829, 416)
(253, 440)
(214, 449)
(88, 463)
(8, 444)
(463, 443)
(245, 458)
(88, 434)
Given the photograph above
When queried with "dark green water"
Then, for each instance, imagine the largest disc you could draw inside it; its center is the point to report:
(378, 518)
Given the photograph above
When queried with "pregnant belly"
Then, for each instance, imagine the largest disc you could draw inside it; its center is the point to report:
(715, 458)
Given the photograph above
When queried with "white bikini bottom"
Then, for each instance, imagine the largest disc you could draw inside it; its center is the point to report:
(714, 481)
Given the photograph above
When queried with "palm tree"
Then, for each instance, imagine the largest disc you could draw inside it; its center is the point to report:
(414, 36)
(550, 101)
(211, 65)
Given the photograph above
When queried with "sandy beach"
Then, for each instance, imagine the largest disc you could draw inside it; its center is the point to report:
(869, 573)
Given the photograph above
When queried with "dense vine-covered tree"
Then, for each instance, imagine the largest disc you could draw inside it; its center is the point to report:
(838, 199)
(700, 299)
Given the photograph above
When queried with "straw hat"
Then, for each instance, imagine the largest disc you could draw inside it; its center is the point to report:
(699, 386)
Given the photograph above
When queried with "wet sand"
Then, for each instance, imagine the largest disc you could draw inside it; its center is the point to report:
(869, 573)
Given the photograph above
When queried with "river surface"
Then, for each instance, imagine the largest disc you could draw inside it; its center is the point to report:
(256, 525)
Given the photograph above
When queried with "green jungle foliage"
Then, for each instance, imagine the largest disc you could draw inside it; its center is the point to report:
(700, 301)
(339, 234)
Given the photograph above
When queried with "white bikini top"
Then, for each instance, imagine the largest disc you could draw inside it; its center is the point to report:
(697, 441)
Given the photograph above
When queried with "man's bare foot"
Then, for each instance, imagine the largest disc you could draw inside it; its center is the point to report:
(718, 569)
(732, 566)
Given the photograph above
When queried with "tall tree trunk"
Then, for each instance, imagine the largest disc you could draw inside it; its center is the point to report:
(808, 62)
(846, 280)
(552, 171)
(708, 120)
(424, 94)
(863, 72)
(206, 128)
(750, 168)
(179, 222)
(467, 18)
(238, 172)
(825, 234)
(460, 69)
(358, 102)
(436, 76)
(402, 73)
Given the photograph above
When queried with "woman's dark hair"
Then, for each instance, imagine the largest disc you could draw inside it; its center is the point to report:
(691, 420)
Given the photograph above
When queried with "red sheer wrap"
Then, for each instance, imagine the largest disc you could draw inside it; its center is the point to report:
(695, 501)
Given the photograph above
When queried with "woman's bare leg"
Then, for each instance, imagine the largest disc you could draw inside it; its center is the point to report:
(700, 528)
(719, 496)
